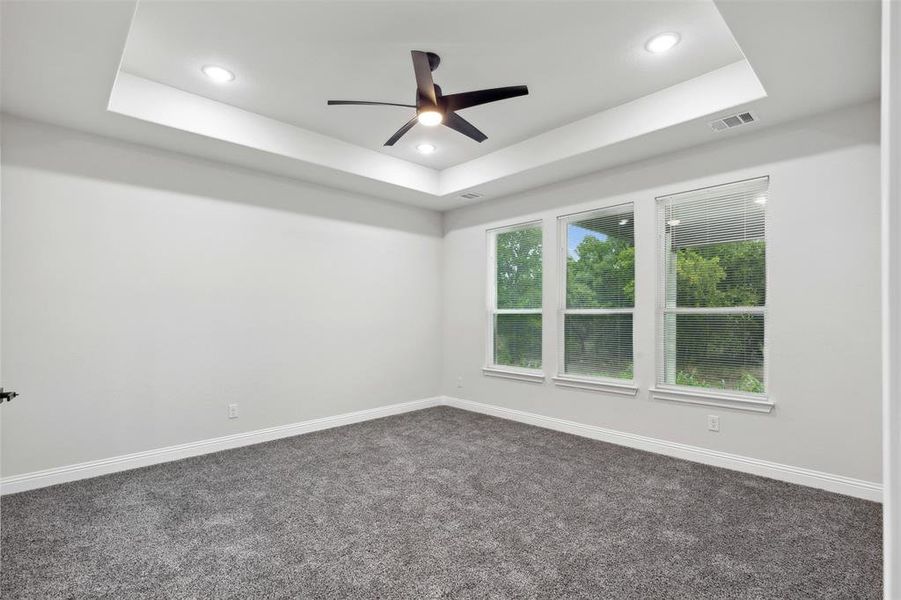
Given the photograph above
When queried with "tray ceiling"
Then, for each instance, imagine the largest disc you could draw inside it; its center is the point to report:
(578, 59)
(131, 71)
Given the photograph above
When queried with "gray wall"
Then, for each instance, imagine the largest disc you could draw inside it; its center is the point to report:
(143, 292)
(823, 296)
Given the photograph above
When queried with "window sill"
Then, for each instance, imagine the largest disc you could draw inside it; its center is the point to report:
(530, 376)
(596, 385)
(760, 404)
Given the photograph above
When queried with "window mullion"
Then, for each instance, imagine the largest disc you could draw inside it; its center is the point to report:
(599, 311)
(715, 310)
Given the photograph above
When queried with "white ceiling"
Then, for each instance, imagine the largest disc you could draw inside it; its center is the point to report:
(290, 57)
(60, 62)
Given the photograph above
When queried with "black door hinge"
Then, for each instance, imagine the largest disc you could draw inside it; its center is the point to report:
(6, 396)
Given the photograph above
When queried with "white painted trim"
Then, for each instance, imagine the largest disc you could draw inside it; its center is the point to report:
(159, 103)
(666, 305)
(536, 377)
(719, 90)
(563, 379)
(891, 296)
(595, 385)
(598, 311)
(105, 466)
(826, 481)
(724, 88)
(491, 369)
(753, 404)
(518, 311)
(839, 484)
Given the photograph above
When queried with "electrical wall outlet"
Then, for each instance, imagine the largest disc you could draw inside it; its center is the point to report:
(713, 423)
(459, 381)
(233, 411)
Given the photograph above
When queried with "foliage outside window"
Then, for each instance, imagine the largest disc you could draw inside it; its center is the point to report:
(600, 294)
(712, 297)
(516, 299)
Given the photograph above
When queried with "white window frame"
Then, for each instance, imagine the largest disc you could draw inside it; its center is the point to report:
(624, 387)
(491, 368)
(735, 399)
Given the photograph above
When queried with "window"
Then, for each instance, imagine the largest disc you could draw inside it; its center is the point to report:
(599, 293)
(712, 288)
(515, 297)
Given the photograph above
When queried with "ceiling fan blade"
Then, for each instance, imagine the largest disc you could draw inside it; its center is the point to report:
(467, 99)
(424, 82)
(366, 103)
(458, 123)
(400, 132)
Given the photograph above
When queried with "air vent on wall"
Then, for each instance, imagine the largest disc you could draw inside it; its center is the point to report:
(470, 195)
(733, 121)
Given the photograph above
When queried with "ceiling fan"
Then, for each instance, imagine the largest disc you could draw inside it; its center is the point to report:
(432, 108)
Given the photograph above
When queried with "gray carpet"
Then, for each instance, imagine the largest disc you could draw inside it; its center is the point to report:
(439, 503)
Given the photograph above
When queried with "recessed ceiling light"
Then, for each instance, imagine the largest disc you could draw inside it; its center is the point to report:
(760, 200)
(624, 221)
(425, 148)
(218, 74)
(430, 118)
(662, 42)
(673, 222)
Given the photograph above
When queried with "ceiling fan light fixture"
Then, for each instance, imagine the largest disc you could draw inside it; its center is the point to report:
(662, 42)
(218, 74)
(426, 148)
(430, 118)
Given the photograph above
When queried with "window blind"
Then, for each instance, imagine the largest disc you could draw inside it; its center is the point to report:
(596, 312)
(712, 287)
(515, 302)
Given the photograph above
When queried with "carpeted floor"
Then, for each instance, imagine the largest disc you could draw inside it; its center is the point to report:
(439, 503)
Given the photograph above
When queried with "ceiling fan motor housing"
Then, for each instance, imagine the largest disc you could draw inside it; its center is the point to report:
(434, 60)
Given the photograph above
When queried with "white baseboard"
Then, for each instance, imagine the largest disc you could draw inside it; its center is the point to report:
(818, 479)
(95, 468)
(848, 486)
